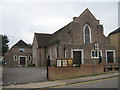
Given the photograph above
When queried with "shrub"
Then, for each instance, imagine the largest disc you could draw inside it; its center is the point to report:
(54, 65)
(31, 65)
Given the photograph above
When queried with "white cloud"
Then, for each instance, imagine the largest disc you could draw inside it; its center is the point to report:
(21, 20)
(119, 14)
(59, 1)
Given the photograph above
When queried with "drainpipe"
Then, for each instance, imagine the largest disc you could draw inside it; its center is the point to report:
(64, 51)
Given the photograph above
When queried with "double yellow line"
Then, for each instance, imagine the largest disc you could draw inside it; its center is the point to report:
(83, 82)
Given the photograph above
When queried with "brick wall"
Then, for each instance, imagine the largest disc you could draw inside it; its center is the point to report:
(69, 72)
(14, 51)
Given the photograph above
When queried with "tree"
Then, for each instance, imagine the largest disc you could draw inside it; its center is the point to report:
(5, 42)
(29, 45)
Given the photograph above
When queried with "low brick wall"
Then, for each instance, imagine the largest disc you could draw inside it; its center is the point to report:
(68, 72)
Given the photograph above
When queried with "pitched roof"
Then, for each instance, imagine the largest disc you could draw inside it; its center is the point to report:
(21, 43)
(115, 31)
(55, 36)
(87, 10)
(42, 39)
(48, 39)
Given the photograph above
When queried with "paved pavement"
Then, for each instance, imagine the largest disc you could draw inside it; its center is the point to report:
(20, 75)
(61, 82)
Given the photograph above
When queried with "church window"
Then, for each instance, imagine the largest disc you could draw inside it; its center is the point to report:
(87, 34)
(15, 58)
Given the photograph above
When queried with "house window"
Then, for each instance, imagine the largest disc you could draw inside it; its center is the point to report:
(96, 54)
(57, 51)
(87, 34)
(15, 58)
(66, 53)
(21, 49)
(96, 46)
(29, 58)
(92, 53)
(100, 53)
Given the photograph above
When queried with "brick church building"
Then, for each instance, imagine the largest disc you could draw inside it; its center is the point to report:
(82, 39)
(19, 54)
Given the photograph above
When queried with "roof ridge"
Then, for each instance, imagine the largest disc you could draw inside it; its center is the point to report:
(62, 28)
(89, 12)
(115, 31)
(43, 33)
(42, 39)
(21, 43)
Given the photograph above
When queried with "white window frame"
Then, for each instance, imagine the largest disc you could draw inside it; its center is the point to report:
(84, 33)
(100, 52)
(16, 58)
(66, 51)
(21, 49)
(97, 53)
(25, 60)
(114, 55)
(91, 54)
(55, 52)
(30, 58)
(72, 50)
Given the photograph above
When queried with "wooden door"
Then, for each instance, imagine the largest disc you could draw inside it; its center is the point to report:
(77, 57)
(22, 60)
(110, 57)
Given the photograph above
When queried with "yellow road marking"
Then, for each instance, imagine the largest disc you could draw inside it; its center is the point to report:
(84, 82)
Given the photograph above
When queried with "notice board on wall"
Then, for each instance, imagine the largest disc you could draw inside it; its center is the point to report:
(64, 62)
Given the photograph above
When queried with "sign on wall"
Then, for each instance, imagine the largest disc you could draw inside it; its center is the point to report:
(70, 62)
(64, 62)
(59, 63)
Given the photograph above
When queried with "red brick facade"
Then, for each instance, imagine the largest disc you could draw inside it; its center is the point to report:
(69, 72)
(75, 37)
(14, 57)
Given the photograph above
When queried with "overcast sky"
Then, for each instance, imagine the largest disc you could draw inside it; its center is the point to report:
(20, 20)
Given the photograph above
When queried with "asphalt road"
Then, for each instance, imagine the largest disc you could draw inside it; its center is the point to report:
(19, 75)
(103, 83)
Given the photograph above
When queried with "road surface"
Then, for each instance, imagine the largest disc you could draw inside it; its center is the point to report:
(103, 83)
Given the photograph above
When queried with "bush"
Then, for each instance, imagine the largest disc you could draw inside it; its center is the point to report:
(31, 65)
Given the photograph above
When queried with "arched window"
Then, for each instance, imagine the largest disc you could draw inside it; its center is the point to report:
(66, 53)
(87, 34)
(29, 58)
(15, 58)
